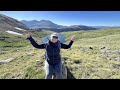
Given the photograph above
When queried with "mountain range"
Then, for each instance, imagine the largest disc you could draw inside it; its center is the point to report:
(41, 24)
(8, 23)
(35, 24)
(49, 25)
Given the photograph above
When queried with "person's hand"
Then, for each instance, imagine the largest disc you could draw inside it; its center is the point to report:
(28, 35)
(73, 38)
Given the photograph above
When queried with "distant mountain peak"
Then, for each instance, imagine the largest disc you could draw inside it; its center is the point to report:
(44, 20)
(34, 20)
(47, 21)
(41, 24)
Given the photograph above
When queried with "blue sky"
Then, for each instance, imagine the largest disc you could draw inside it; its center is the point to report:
(100, 18)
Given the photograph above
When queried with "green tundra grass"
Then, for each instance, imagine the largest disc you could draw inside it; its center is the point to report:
(84, 59)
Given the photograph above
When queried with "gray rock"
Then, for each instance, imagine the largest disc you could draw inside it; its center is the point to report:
(6, 61)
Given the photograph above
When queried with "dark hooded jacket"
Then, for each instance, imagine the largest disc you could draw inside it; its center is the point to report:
(52, 50)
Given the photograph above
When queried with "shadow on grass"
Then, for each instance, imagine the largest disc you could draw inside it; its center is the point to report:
(69, 74)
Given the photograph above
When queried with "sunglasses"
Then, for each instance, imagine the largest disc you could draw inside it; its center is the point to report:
(55, 37)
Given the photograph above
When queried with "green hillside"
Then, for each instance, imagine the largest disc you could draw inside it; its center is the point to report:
(94, 55)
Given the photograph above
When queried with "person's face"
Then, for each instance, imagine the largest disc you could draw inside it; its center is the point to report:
(54, 39)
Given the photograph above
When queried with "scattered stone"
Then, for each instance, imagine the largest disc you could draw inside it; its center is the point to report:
(116, 66)
(77, 61)
(91, 48)
(39, 63)
(6, 61)
(103, 48)
(65, 58)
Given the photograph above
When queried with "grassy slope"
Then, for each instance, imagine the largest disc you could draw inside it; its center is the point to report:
(91, 65)
(81, 61)
(25, 56)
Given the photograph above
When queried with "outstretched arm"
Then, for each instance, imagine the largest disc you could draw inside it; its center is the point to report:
(41, 46)
(64, 46)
